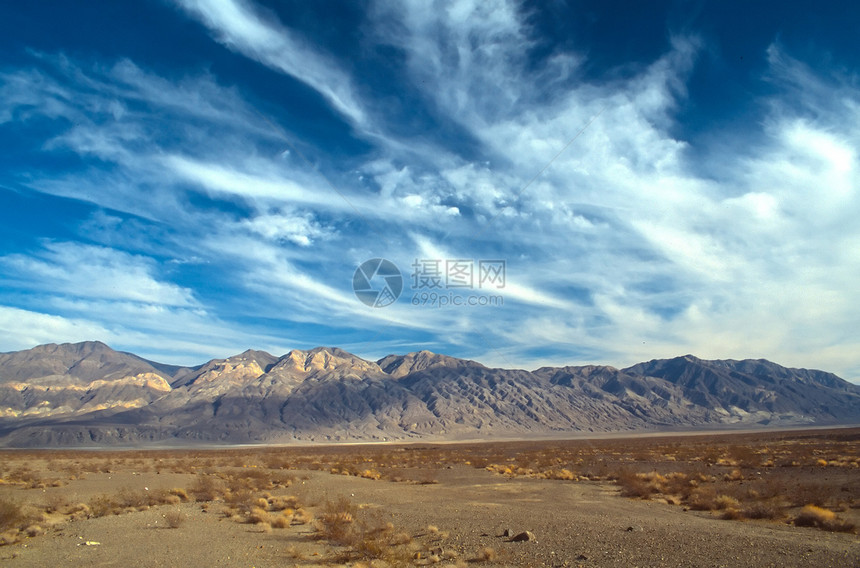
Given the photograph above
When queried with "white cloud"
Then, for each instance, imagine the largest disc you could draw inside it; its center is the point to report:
(23, 329)
(236, 25)
(301, 230)
(89, 271)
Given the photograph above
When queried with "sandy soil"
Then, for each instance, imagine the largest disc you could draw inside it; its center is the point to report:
(575, 524)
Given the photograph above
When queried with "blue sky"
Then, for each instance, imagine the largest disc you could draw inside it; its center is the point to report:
(189, 179)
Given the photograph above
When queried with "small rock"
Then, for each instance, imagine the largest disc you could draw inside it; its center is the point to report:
(507, 532)
(582, 557)
(524, 536)
(633, 528)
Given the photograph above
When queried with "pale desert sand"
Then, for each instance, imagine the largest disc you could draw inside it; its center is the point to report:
(575, 524)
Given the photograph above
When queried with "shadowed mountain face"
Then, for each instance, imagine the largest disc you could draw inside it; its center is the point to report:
(88, 394)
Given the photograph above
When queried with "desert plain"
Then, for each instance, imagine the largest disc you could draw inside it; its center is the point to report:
(767, 498)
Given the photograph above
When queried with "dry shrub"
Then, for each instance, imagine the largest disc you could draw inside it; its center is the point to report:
(181, 493)
(282, 503)
(281, 521)
(103, 505)
(128, 499)
(735, 475)
(79, 511)
(564, 474)
(703, 499)
(11, 515)
(175, 518)
(302, 516)
(724, 502)
(242, 500)
(294, 553)
(335, 524)
(258, 516)
(365, 534)
(732, 515)
(54, 503)
(644, 485)
(763, 510)
(486, 555)
(206, 488)
(812, 516)
(34, 530)
(634, 485)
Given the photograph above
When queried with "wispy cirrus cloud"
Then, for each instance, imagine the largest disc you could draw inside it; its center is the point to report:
(240, 27)
(79, 270)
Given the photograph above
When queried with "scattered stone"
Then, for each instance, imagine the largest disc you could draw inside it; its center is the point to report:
(507, 532)
(633, 528)
(524, 536)
(582, 557)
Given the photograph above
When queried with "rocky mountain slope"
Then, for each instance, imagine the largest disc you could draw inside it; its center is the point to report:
(88, 394)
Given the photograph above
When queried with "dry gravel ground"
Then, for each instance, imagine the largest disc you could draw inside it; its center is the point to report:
(575, 524)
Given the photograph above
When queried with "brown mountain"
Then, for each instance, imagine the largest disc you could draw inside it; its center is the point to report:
(88, 394)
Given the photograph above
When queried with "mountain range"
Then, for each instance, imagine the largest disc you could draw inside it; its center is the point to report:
(86, 394)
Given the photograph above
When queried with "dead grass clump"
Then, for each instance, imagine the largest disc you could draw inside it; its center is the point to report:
(562, 475)
(335, 524)
(175, 518)
(732, 514)
(400, 538)
(735, 475)
(78, 511)
(139, 500)
(181, 493)
(282, 503)
(206, 488)
(258, 516)
(302, 517)
(646, 485)
(703, 499)
(825, 519)
(486, 555)
(55, 502)
(762, 510)
(635, 485)
(726, 502)
(11, 515)
(294, 553)
(365, 534)
(281, 521)
(34, 530)
(103, 505)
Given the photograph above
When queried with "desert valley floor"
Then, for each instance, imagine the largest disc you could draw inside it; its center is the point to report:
(755, 499)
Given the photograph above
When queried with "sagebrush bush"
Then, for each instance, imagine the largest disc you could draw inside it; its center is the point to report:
(813, 516)
(206, 488)
(175, 518)
(11, 515)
